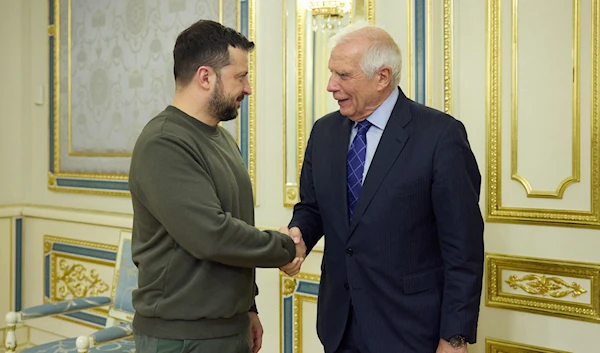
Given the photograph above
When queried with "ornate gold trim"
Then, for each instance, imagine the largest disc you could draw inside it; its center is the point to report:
(89, 244)
(252, 99)
(550, 300)
(429, 53)
(238, 27)
(291, 190)
(238, 17)
(410, 34)
(54, 278)
(287, 287)
(496, 212)
(287, 199)
(493, 345)
(77, 281)
(70, 151)
(55, 30)
(448, 54)
(554, 287)
(576, 141)
(221, 11)
(48, 241)
(299, 300)
(370, 12)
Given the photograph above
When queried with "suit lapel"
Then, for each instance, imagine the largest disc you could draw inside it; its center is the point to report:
(392, 142)
(341, 140)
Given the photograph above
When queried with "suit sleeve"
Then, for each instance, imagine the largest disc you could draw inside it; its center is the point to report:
(455, 197)
(307, 216)
(177, 189)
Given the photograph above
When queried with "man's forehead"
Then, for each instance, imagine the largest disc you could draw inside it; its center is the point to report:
(340, 59)
(237, 55)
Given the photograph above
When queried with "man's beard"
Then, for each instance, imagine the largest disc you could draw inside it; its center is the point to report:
(221, 106)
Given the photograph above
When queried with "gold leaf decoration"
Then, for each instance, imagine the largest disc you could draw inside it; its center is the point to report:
(47, 247)
(75, 282)
(554, 287)
(289, 286)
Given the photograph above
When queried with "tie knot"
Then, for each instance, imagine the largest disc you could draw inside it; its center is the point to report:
(363, 127)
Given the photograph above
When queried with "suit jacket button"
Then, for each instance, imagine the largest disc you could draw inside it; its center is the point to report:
(346, 286)
(349, 251)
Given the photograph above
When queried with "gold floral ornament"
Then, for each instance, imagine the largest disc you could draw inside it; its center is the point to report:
(554, 287)
(289, 286)
(76, 283)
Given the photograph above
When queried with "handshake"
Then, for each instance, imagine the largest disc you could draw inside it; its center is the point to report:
(293, 268)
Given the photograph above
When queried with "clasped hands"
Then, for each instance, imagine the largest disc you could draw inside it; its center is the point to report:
(293, 268)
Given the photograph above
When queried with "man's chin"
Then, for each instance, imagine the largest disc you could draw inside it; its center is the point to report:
(345, 112)
(228, 118)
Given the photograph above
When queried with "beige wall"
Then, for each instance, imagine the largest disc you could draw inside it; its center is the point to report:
(14, 78)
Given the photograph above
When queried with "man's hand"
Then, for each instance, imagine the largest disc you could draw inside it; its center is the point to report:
(445, 347)
(295, 234)
(293, 268)
(256, 332)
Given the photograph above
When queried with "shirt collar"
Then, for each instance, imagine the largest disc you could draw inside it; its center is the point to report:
(380, 117)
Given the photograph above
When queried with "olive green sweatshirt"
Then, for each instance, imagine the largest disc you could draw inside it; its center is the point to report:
(194, 240)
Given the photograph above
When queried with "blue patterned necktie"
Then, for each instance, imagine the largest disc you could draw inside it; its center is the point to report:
(355, 164)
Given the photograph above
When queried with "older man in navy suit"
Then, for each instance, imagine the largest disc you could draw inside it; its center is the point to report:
(395, 187)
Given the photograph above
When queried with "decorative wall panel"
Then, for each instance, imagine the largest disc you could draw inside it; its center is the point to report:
(295, 292)
(305, 55)
(111, 71)
(77, 269)
(544, 286)
(544, 75)
(499, 346)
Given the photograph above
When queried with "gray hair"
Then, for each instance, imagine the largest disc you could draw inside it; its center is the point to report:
(383, 50)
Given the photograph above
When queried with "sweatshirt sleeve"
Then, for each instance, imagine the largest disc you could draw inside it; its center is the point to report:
(253, 308)
(175, 187)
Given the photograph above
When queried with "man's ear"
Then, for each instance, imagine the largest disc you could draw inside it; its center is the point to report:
(385, 77)
(204, 77)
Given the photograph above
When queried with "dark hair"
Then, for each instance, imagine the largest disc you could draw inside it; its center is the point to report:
(205, 43)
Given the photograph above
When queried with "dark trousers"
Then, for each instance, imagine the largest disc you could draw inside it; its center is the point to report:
(352, 341)
(239, 343)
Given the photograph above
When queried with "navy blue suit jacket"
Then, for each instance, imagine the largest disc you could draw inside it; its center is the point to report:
(411, 260)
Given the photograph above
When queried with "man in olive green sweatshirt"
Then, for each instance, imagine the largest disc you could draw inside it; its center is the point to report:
(194, 240)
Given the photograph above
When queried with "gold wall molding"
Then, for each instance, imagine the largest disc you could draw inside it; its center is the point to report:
(291, 188)
(448, 55)
(541, 290)
(410, 42)
(294, 292)
(429, 52)
(493, 345)
(77, 281)
(554, 287)
(113, 183)
(289, 286)
(73, 269)
(252, 99)
(575, 117)
(496, 211)
(54, 31)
